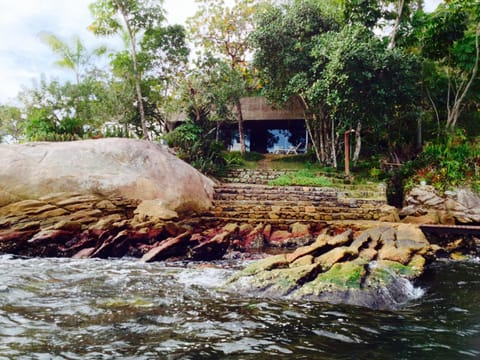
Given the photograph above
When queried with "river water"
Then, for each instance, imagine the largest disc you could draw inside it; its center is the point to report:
(124, 309)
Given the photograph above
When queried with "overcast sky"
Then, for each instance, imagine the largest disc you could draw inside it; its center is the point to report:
(23, 57)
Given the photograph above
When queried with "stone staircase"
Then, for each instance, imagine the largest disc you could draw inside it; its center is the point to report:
(241, 201)
(264, 176)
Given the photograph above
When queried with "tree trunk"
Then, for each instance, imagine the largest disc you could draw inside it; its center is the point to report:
(332, 142)
(396, 26)
(455, 110)
(358, 142)
(419, 133)
(136, 73)
(241, 133)
(322, 138)
(306, 110)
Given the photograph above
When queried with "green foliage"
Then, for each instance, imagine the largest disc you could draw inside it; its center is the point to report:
(197, 147)
(222, 32)
(283, 40)
(185, 136)
(343, 75)
(11, 123)
(369, 169)
(111, 15)
(253, 156)
(362, 81)
(443, 28)
(451, 161)
(449, 38)
(303, 177)
(133, 17)
(54, 108)
(307, 159)
(366, 12)
(249, 160)
(74, 56)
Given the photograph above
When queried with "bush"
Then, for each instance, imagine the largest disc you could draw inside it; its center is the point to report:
(451, 161)
(236, 159)
(194, 146)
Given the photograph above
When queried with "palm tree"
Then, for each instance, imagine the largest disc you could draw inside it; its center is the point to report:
(73, 56)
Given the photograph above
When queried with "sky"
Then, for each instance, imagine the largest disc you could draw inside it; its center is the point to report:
(23, 57)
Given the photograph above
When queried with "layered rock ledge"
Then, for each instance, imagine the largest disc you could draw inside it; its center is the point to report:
(371, 268)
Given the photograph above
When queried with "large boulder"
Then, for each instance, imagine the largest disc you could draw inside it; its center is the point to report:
(95, 197)
(131, 169)
(369, 269)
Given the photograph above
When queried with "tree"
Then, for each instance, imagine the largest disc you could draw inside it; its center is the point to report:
(136, 16)
(450, 38)
(224, 31)
(11, 123)
(345, 77)
(365, 12)
(164, 61)
(209, 91)
(365, 84)
(74, 56)
(64, 111)
(283, 41)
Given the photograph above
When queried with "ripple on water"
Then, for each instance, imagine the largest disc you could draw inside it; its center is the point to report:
(337, 336)
(103, 309)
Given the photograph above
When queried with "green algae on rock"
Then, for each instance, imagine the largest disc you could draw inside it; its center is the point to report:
(371, 269)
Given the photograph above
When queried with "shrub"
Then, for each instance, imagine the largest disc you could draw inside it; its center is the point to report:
(451, 161)
(196, 148)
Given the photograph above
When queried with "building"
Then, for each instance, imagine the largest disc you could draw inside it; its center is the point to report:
(268, 129)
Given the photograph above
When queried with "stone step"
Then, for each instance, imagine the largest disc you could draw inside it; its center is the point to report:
(342, 187)
(297, 197)
(263, 176)
(275, 202)
(207, 218)
(358, 214)
(294, 193)
(269, 197)
(297, 205)
(253, 187)
(268, 203)
(290, 210)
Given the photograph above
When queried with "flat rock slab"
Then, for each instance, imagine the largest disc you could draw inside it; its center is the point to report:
(370, 269)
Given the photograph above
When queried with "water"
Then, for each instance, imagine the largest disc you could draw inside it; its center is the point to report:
(123, 309)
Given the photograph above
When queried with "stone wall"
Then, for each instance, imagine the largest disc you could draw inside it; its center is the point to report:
(287, 204)
(265, 176)
(257, 176)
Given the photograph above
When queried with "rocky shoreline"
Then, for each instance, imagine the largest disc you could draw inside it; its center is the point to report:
(116, 197)
(365, 268)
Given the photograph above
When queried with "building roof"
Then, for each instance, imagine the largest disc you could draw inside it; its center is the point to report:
(257, 108)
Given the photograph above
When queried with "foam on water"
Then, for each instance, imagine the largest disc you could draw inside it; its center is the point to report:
(413, 292)
(87, 309)
(203, 277)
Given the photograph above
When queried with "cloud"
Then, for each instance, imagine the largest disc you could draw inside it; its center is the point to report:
(23, 57)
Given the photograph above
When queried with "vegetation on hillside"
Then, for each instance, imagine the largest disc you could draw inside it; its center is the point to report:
(410, 91)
